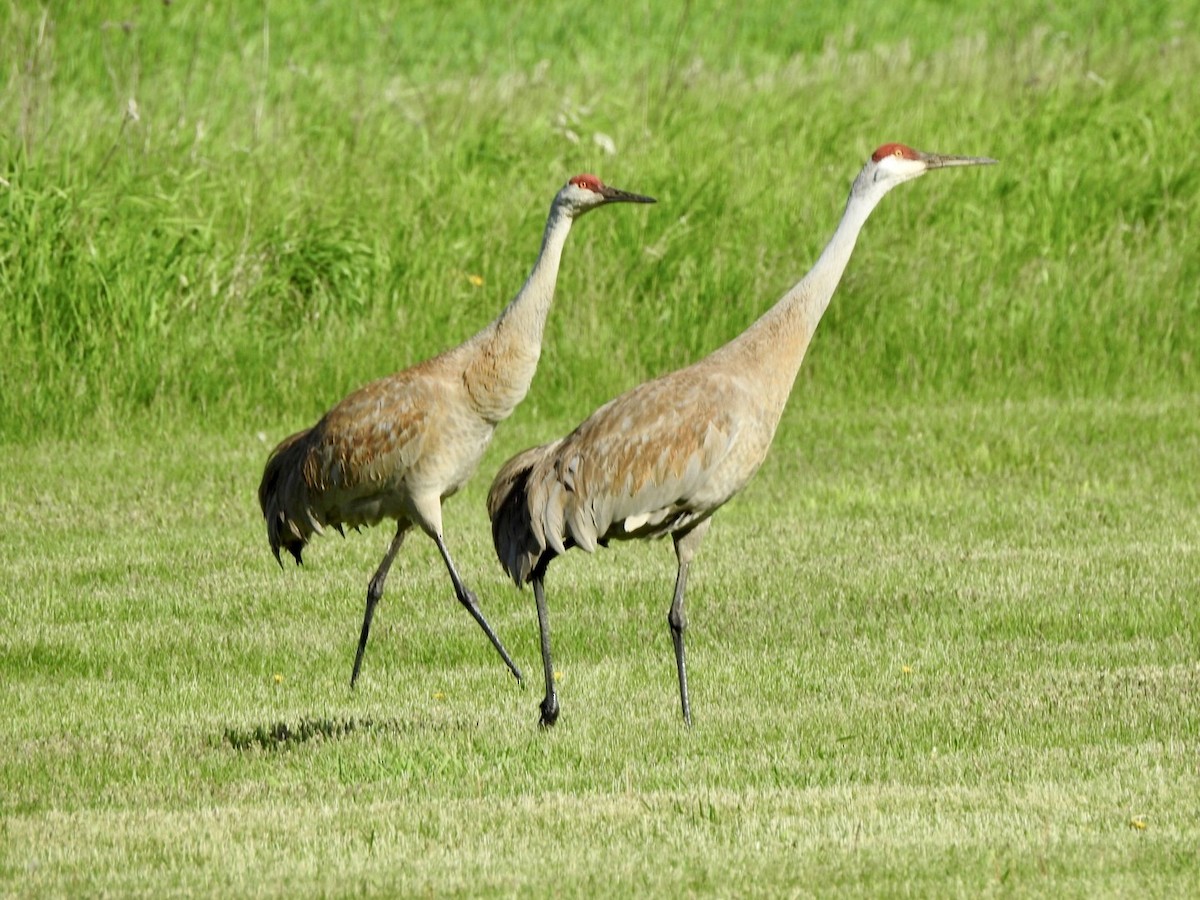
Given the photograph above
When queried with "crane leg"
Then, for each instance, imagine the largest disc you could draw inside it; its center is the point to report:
(468, 599)
(686, 545)
(550, 703)
(677, 619)
(374, 593)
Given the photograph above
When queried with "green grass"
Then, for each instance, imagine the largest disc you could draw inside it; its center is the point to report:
(944, 644)
(934, 650)
(238, 217)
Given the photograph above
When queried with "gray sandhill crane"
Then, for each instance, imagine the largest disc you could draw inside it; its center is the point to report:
(662, 458)
(398, 447)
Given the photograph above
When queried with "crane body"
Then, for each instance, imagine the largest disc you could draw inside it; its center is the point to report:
(665, 456)
(398, 447)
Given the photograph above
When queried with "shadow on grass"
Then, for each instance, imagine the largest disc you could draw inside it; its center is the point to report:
(285, 735)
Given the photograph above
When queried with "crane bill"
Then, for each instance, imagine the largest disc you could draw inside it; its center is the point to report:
(942, 161)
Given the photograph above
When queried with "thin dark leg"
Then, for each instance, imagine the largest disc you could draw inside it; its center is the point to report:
(374, 593)
(686, 545)
(471, 602)
(550, 703)
(677, 619)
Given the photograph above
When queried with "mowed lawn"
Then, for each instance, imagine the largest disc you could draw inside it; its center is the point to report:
(934, 650)
(944, 644)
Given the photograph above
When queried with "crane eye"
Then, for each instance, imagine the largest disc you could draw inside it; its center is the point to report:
(897, 152)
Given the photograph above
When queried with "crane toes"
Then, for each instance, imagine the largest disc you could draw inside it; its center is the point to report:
(549, 712)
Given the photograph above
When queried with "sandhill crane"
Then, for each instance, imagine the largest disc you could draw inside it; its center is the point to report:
(662, 458)
(398, 447)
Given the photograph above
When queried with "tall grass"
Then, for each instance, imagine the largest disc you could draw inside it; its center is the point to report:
(214, 211)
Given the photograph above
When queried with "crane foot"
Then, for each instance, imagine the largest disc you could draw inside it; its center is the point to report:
(549, 713)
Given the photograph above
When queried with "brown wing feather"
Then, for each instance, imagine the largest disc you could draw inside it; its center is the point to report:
(326, 475)
(651, 459)
(374, 435)
(654, 460)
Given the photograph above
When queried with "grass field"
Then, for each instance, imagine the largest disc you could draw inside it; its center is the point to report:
(944, 644)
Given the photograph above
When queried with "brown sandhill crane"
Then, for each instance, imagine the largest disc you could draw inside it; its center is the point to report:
(662, 458)
(398, 447)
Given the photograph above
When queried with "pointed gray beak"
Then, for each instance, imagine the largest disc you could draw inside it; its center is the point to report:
(615, 195)
(942, 161)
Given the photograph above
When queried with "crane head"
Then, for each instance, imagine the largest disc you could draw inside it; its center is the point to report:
(894, 164)
(585, 192)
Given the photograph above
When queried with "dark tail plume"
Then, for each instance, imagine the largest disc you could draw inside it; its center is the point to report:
(283, 497)
(518, 546)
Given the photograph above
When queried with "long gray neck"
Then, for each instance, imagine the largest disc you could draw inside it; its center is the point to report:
(504, 355)
(525, 315)
(776, 343)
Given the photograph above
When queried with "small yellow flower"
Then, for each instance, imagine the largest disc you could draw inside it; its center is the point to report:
(438, 695)
(907, 670)
(1137, 823)
(557, 675)
(279, 678)
(476, 280)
